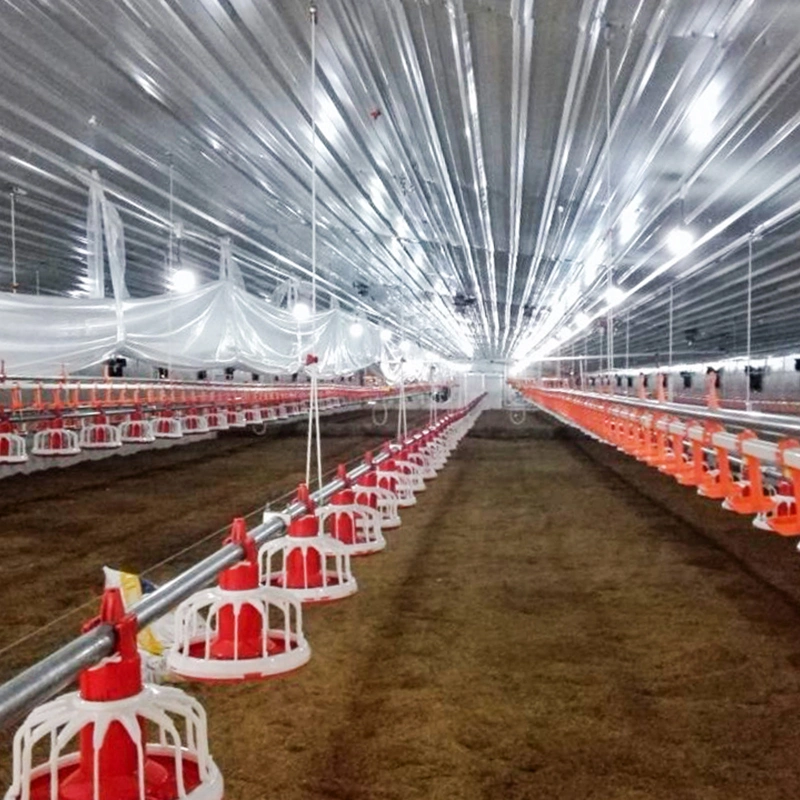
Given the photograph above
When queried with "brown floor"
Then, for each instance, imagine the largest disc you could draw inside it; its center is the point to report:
(552, 620)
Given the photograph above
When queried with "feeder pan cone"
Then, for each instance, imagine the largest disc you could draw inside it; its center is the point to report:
(128, 734)
(379, 497)
(315, 567)
(238, 630)
(12, 445)
(391, 477)
(411, 468)
(357, 526)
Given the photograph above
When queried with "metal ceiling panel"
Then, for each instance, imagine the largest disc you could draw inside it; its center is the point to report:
(486, 167)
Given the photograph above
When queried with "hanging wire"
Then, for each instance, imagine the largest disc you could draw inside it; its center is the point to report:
(170, 263)
(671, 311)
(627, 339)
(747, 402)
(384, 409)
(402, 423)
(312, 367)
(170, 246)
(432, 405)
(609, 236)
(312, 10)
(14, 285)
(313, 423)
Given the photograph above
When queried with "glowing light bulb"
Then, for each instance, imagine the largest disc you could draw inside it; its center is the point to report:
(301, 311)
(386, 336)
(182, 281)
(680, 241)
(614, 296)
(356, 329)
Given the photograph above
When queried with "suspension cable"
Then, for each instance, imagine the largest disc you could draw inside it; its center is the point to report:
(313, 16)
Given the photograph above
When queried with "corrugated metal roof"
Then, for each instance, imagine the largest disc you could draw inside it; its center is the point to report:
(468, 187)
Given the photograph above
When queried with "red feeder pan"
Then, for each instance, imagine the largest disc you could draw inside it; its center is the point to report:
(356, 526)
(128, 735)
(368, 493)
(314, 566)
(239, 630)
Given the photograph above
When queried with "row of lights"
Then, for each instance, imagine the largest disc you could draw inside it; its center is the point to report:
(679, 240)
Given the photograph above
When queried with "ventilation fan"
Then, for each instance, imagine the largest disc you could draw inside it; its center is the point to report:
(462, 302)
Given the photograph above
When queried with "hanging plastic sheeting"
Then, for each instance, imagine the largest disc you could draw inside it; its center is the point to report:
(217, 325)
(228, 268)
(94, 284)
(47, 336)
(102, 218)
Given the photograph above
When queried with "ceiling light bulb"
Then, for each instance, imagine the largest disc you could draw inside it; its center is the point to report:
(614, 296)
(628, 223)
(386, 336)
(593, 261)
(356, 329)
(182, 281)
(301, 311)
(680, 241)
(582, 320)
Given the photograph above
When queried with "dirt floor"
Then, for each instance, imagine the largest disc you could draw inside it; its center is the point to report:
(552, 620)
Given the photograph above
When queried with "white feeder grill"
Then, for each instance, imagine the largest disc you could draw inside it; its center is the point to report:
(12, 449)
(785, 504)
(443, 445)
(165, 712)
(437, 453)
(217, 420)
(338, 580)
(270, 412)
(283, 412)
(100, 436)
(167, 428)
(253, 416)
(194, 423)
(236, 419)
(414, 473)
(385, 503)
(284, 647)
(136, 431)
(402, 482)
(425, 464)
(366, 526)
(55, 442)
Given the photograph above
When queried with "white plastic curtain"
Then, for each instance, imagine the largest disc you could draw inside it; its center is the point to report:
(218, 325)
(102, 218)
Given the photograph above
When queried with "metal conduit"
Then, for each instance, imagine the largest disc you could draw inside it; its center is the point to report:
(770, 424)
(772, 473)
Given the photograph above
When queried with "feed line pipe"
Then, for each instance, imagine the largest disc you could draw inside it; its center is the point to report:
(87, 412)
(760, 422)
(59, 669)
(772, 473)
(53, 673)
